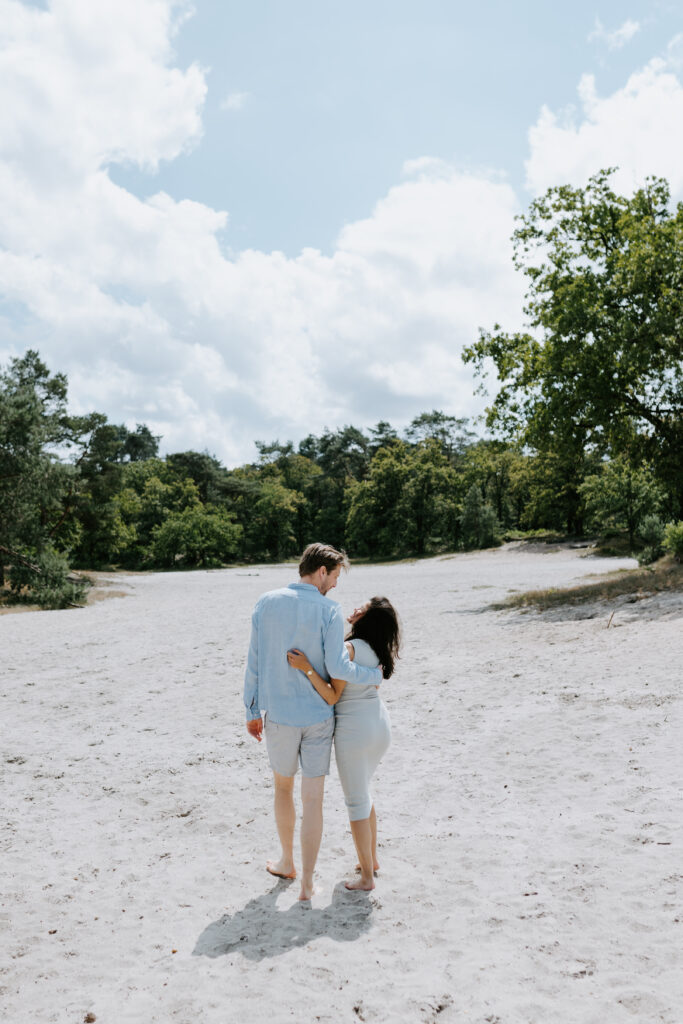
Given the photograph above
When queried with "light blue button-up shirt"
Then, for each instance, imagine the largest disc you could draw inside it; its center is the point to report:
(296, 616)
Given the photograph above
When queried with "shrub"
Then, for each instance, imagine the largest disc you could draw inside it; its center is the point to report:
(45, 581)
(648, 554)
(651, 530)
(673, 539)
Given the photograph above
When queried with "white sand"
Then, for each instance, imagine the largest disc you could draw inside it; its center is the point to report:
(530, 812)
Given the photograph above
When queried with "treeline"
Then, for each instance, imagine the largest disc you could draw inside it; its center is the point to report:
(586, 434)
(100, 495)
(83, 491)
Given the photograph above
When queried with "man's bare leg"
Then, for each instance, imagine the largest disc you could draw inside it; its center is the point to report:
(285, 819)
(373, 829)
(312, 791)
(362, 837)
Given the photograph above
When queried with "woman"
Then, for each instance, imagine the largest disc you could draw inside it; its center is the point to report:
(362, 730)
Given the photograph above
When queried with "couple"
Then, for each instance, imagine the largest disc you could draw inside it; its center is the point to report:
(298, 670)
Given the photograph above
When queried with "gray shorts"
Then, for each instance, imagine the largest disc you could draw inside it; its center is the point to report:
(309, 744)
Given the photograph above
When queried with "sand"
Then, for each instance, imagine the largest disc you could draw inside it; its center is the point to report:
(530, 811)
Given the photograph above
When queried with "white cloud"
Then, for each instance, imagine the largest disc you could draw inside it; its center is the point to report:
(617, 37)
(638, 128)
(90, 84)
(234, 101)
(674, 52)
(138, 304)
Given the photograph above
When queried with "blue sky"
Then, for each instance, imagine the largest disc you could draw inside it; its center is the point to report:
(245, 221)
(336, 97)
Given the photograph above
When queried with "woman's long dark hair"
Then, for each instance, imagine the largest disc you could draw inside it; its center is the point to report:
(379, 627)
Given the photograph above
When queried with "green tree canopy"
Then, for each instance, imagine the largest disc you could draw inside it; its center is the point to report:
(407, 503)
(605, 340)
(37, 486)
(381, 436)
(196, 536)
(374, 524)
(619, 496)
(205, 470)
(450, 432)
(478, 521)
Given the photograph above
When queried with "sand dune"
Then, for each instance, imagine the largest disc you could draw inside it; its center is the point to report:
(530, 812)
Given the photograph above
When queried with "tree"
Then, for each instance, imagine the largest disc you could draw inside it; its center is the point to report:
(620, 496)
(374, 524)
(478, 521)
(427, 508)
(381, 436)
(196, 536)
(152, 491)
(500, 472)
(33, 423)
(449, 432)
(140, 444)
(273, 451)
(37, 488)
(343, 456)
(296, 473)
(604, 346)
(205, 470)
(104, 532)
(344, 453)
(550, 485)
(114, 444)
(272, 524)
(407, 503)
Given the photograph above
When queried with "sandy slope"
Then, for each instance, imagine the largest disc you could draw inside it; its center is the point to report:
(530, 812)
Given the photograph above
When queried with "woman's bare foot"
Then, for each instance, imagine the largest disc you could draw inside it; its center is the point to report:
(281, 869)
(307, 891)
(364, 884)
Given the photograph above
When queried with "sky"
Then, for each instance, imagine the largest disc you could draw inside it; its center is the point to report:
(238, 222)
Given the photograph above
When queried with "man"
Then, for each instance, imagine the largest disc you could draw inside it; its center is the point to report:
(299, 724)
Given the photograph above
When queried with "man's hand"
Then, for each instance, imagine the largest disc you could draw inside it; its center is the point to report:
(255, 728)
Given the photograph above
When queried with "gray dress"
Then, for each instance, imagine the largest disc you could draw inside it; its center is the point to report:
(362, 735)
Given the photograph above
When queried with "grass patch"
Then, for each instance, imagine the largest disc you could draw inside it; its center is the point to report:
(665, 575)
(617, 546)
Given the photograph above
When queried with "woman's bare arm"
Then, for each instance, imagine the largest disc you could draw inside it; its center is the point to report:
(330, 692)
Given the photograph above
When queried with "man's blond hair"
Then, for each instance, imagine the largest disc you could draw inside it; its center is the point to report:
(317, 555)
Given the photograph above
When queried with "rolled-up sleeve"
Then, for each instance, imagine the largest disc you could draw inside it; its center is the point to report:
(251, 701)
(337, 661)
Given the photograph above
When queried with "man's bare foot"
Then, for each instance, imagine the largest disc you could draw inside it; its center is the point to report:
(307, 891)
(281, 869)
(363, 884)
(375, 868)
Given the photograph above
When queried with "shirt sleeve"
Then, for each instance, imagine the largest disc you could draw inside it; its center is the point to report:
(337, 661)
(251, 701)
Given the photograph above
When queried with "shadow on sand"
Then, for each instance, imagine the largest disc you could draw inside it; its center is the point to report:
(260, 930)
